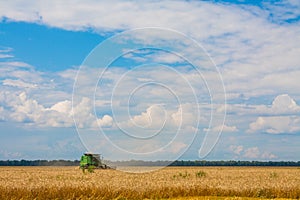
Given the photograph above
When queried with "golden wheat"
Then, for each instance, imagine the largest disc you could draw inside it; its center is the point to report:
(170, 182)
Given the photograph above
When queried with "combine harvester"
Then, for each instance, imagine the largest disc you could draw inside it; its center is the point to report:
(91, 161)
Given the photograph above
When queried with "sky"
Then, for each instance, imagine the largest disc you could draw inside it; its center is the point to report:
(155, 80)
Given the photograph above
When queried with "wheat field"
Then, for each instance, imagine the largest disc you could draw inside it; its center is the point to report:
(170, 182)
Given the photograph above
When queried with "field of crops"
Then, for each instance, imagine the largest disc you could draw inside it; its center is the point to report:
(170, 182)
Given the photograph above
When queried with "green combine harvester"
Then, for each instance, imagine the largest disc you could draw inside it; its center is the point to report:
(91, 161)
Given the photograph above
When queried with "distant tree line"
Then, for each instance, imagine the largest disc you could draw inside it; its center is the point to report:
(39, 163)
(204, 163)
(151, 163)
(235, 163)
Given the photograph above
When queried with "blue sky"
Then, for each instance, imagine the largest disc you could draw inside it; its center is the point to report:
(51, 49)
(47, 47)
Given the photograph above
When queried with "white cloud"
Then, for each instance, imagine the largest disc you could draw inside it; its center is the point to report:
(276, 124)
(105, 121)
(62, 107)
(282, 105)
(158, 118)
(187, 115)
(153, 117)
(165, 57)
(177, 147)
(18, 70)
(268, 156)
(85, 117)
(5, 56)
(5, 49)
(18, 83)
(5, 52)
(253, 153)
(21, 108)
(154, 55)
(102, 15)
(236, 149)
(223, 128)
(47, 88)
(280, 117)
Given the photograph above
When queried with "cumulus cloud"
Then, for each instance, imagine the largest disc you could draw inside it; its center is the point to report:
(21, 108)
(281, 105)
(284, 104)
(153, 117)
(46, 88)
(62, 107)
(105, 121)
(27, 110)
(275, 125)
(282, 116)
(158, 118)
(187, 115)
(253, 153)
